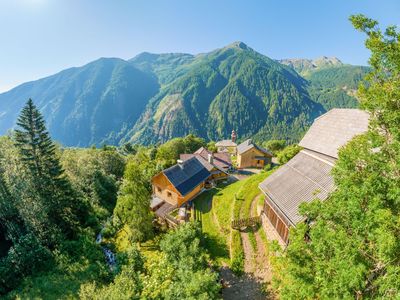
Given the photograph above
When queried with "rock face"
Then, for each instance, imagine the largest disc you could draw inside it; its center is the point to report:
(306, 66)
(154, 97)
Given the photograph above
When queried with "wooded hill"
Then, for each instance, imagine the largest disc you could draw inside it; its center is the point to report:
(154, 97)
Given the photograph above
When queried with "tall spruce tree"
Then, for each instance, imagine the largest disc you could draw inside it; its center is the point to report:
(354, 246)
(38, 153)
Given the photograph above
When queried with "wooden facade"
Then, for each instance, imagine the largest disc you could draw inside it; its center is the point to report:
(277, 220)
(253, 158)
(165, 190)
(217, 174)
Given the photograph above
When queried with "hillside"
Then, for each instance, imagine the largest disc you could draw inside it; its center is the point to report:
(331, 82)
(229, 88)
(154, 97)
(86, 105)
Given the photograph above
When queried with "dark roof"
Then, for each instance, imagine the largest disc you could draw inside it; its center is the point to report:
(187, 175)
(203, 161)
(304, 178)
(220, 160)
(248, 144)
(334, 129)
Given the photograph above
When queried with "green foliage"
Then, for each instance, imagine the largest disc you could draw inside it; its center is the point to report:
(288, 153)
(211, 146)
(95, 174)
(169, 152)
(275, 145)
(133, 204)
(354, 245)
(53, 190)
(44, 215)
(179, 271)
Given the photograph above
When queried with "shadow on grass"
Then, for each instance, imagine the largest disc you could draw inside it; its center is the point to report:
(216, 247)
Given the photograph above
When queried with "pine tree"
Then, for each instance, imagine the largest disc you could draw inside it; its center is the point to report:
(38, 153)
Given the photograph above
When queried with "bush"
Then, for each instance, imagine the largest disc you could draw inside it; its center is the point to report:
(288, 153)
(275, 146)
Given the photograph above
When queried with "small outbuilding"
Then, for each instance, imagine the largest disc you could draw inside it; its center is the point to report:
(250, 155)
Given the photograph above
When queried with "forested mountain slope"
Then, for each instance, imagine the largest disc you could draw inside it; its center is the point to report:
(229, 88)
(154, 97)
(85, 105)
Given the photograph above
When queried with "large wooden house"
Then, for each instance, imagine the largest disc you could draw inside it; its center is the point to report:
(177, 185)
(250, 155)
(307, 175)
(218, 164)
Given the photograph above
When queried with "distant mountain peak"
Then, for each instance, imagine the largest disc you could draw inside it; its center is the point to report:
(305, 66)
(238, 44)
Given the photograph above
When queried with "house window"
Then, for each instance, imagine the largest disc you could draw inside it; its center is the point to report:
(169, 194)
(159, 189)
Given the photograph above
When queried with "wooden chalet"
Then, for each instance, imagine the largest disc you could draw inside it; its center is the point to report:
(218, 164)
(177, 185)
(250, 155)
(307, 175)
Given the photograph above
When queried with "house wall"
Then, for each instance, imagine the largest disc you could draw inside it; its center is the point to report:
(248, 160)
(219, 175)
(163, 189)
(277, 220)
(192, 194)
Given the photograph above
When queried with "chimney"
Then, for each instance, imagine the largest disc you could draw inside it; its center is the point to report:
(233, 135)
(210, 158)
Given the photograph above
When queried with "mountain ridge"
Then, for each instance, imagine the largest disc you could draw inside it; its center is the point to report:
(153, 97)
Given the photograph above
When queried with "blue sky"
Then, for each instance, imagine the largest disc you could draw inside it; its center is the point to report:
(41, 37)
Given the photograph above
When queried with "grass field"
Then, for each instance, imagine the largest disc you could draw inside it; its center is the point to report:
(216, 209)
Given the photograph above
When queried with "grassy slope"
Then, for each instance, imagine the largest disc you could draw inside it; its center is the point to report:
(215, 210)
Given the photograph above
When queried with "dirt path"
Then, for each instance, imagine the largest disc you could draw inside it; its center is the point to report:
(263, 269)
(256, 270)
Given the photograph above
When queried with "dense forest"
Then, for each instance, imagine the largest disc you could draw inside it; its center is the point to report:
(54, 201)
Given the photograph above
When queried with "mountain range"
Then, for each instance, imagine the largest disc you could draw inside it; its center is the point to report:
(154, 97)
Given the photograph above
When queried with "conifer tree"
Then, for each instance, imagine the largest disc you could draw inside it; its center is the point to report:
(38, 153)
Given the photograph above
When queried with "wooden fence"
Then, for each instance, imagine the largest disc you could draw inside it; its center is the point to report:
(246, 222)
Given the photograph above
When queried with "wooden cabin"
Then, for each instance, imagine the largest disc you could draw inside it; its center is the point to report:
(218, 164)
(250, 155)
(177, 185)
(306, 176)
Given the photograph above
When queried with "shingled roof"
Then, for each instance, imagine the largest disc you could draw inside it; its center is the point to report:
(248, 144)
(334, 129)
(187, 175)
(307, 175)
(303, 179)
